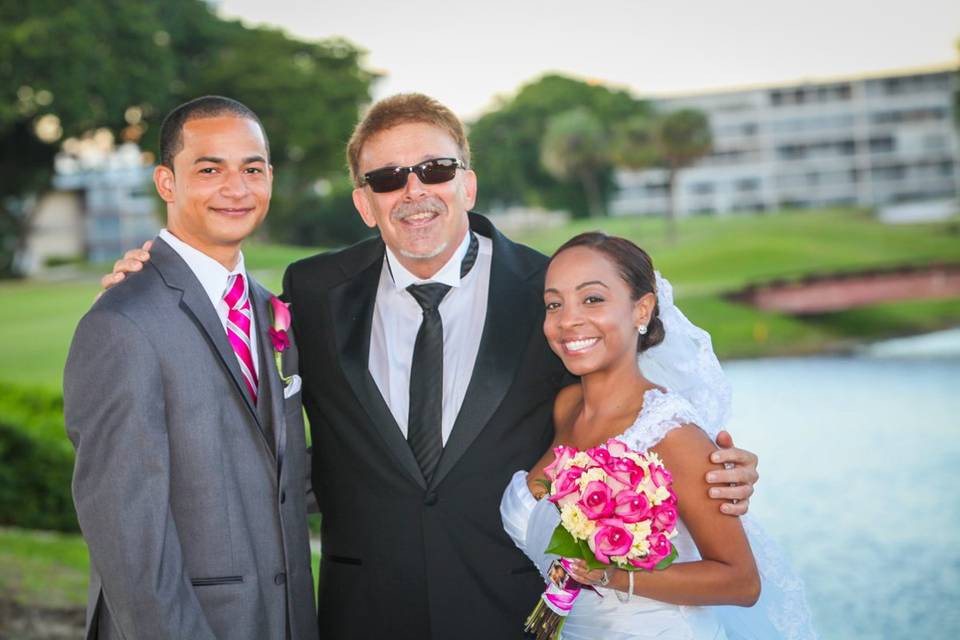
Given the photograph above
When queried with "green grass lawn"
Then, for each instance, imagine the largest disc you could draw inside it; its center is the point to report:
(40, 568)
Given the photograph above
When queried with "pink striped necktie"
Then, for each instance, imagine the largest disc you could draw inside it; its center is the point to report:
(239, 315)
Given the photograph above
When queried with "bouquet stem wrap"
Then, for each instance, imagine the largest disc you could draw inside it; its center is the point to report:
(547, 618)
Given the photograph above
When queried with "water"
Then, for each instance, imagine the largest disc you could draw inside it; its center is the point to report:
(860, 476)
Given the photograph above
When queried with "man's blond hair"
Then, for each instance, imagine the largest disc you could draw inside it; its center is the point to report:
(404, 108)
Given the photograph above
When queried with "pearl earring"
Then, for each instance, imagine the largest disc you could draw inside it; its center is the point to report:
(642, 329)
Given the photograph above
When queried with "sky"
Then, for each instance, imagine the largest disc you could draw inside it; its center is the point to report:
(466, 54)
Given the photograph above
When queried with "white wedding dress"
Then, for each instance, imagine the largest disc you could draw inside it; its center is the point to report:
(781, 612)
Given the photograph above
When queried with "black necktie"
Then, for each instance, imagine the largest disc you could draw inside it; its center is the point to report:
(426, 371)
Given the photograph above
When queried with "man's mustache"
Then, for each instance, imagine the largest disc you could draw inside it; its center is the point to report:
(404, 210)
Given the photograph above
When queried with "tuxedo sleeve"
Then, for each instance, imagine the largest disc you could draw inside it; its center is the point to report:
(115, 418)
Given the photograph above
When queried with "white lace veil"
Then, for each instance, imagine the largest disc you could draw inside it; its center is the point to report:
(685, 363)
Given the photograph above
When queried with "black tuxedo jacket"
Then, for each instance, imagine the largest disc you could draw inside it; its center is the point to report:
(403, 558)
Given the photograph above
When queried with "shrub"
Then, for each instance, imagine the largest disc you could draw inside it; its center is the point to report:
(36, 461)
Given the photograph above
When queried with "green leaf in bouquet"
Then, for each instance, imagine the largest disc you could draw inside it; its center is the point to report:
(666, 562)
(563, 544)
(588, 556)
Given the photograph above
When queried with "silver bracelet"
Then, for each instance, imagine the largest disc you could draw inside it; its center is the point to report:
(626, 598)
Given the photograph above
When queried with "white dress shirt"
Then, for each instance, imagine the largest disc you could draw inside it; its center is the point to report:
(213, 277)
(396, 321)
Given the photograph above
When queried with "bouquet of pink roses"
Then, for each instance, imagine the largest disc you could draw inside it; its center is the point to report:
(617, 508)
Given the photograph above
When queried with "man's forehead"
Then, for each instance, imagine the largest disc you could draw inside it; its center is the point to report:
(223, 136)
(223, 128)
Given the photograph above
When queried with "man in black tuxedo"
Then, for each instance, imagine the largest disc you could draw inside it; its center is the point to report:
(428, 382)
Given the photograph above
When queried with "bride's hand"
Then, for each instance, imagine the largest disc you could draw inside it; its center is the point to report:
(734, 482)
(580, 572)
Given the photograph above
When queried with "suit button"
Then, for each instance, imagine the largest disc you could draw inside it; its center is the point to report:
(279, 579)
(430, 499)
(283, 497)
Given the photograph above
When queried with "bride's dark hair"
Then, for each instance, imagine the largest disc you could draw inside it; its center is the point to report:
(636, 269)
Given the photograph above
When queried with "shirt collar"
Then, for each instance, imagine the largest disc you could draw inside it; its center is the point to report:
(449, 273)
(212, 275)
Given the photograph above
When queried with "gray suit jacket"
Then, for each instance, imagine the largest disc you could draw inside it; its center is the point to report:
(190, 497)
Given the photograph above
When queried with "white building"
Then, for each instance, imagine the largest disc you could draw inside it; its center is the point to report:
(102, 204)
(868, 141)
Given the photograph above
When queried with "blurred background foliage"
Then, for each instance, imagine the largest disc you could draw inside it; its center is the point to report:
(67, 70)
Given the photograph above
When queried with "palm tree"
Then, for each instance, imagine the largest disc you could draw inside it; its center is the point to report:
(575, 146)
(673, 140)
(680, 138)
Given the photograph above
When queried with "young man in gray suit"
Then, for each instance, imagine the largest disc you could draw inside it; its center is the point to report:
(191, 460)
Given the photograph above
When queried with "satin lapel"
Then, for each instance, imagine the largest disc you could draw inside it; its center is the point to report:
(195, 302)
(509, 308)
(270, 403)
(353, 302)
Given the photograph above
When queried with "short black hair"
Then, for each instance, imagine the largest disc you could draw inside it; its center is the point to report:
(171, 130)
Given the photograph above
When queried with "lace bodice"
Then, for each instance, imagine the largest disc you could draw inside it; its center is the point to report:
(662, 412)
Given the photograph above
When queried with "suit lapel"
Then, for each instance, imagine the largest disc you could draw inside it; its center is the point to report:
(504, 340)
(353, 302)
(194, 301)
(270, 404)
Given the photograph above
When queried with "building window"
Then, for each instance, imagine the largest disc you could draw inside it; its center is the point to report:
(878, 145)
(701, 188)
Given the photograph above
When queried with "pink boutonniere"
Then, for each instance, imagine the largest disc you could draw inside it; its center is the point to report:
(279, 331)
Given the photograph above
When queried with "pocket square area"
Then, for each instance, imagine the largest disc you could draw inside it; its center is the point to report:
(293, 387)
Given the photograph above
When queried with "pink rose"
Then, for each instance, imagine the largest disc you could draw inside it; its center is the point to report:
(660, 548)
(664, 517)
(659, 545)
(626, 471)
(631, 506)
(596, 501)
(610, 539)
(648, 562)
(600, 455)
(562, 455)
(616, 447)
(566, 482)
(660, 476)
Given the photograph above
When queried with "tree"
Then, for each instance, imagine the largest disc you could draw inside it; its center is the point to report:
(673, 140)
(507, 142)
(680, 138)
(575, 146)
(308, 96)
(66, 70)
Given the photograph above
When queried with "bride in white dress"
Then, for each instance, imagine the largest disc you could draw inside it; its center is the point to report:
(604, 303)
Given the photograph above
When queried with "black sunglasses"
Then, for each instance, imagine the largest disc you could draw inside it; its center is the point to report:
(430, 172)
